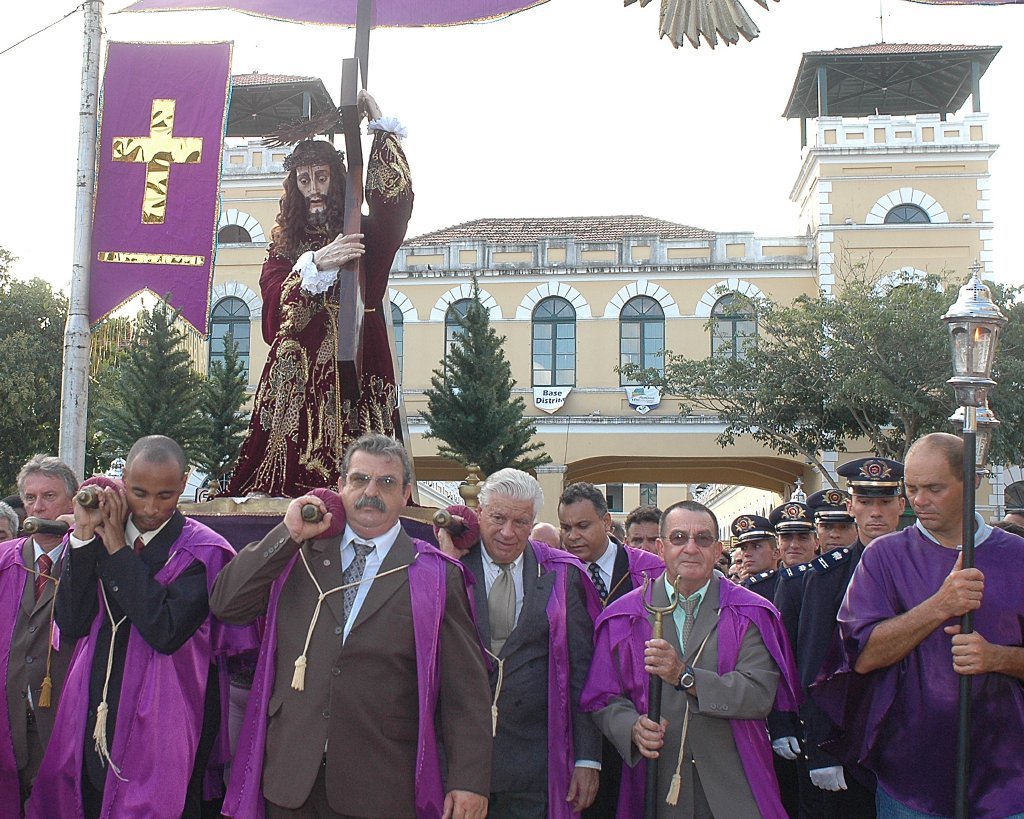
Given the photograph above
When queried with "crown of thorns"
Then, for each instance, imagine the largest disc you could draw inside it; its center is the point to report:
(313, 152)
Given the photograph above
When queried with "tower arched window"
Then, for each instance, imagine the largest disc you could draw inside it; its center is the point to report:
(641, 335)
(907, 213)
(554, 343)
(230, 315)
(398, 323)
(733, 327)
(233, 235)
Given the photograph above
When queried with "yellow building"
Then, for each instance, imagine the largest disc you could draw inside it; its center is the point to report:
(576, 297)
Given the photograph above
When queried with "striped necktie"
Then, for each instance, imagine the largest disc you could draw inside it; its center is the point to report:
(44, 565)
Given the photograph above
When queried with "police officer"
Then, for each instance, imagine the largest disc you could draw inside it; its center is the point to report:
(759, 553)
(832, 519)
(809, 608)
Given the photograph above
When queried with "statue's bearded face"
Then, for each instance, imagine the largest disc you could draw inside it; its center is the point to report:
(314, 181)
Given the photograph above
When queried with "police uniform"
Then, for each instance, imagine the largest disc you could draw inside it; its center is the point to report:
(747, 528)
(809, 609)
(792, 516)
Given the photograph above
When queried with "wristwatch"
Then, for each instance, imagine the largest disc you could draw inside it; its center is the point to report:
(686, 680)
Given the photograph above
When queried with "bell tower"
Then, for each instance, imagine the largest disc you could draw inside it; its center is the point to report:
(895, 170)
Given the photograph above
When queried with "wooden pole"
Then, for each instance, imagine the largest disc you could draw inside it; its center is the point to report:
(74, 399)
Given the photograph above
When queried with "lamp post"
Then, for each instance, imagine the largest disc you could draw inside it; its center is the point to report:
(974, 323)
(986, 423)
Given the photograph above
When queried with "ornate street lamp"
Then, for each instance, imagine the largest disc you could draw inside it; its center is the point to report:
(974, 323)
(986, 423)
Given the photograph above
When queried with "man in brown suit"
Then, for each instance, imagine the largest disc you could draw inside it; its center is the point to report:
(342, 713)
(47, 487)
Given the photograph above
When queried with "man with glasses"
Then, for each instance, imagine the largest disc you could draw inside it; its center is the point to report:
(369, 660)
(719, 663)
(532, 615)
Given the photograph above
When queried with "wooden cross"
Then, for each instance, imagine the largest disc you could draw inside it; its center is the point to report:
(159, 150)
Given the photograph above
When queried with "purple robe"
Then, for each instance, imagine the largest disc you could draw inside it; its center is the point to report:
(641, 561)
(427, 586)
(561, 754)
(913, 703)
(12, 586)
(623, 629)
(156, 737)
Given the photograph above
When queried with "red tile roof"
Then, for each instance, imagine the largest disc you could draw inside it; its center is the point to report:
(894, 48)
(267, 79)
(581, 228)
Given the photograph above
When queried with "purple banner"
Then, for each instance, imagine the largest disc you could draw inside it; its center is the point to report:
(386, 13)
(159, 157)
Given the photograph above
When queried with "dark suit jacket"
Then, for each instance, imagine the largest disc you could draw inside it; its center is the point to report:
(521, 743)
(27, 664)
(360, 700)
(165, 617)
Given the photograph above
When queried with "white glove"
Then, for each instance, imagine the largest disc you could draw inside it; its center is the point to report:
(829, 779)
(786, 747)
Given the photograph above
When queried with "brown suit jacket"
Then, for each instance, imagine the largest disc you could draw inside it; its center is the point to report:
(27, 665)
(360, 700)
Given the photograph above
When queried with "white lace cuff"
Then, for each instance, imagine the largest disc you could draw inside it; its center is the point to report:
(314, 280)
(389, 124)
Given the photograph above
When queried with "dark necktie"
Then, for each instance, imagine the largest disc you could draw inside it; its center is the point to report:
(595, 572)
(139, 544)
(689, 607)
(501, 607)
(354, 573)
(44, 564)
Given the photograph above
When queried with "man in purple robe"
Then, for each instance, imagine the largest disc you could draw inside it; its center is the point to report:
(369, 652)
(615, 570)
(895, 689)
(723, 663)
(135, 593)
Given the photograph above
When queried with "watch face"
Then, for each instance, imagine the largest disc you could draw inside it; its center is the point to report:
(686, 681)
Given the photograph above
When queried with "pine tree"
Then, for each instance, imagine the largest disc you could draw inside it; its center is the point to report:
(470, 407)
(153, 389)
(223, 398)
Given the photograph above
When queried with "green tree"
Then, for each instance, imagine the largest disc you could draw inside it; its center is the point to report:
(223, 398)
(152, 389)
(470, 407)
(32, 317)
(869, 363)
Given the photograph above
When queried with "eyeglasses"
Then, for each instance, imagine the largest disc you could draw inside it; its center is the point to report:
(384, 483)
(517, 523)
(702, 539)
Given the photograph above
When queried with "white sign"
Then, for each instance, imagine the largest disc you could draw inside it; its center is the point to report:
(643, 399)
(550, 399)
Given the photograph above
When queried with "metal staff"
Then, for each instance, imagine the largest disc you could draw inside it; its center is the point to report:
(654, 698)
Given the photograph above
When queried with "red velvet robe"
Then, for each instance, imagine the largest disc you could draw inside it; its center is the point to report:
(301, 424)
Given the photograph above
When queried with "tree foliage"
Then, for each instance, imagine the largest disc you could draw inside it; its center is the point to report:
(470, 407)
(32, 317)
(870, 363)
(151, 390)
(223, 398)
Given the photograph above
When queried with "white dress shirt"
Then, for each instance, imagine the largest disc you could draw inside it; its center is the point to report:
(374, 559)
(606, 564)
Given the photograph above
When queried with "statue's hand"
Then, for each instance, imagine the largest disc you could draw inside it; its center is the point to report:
(340, 252)
(368, 105)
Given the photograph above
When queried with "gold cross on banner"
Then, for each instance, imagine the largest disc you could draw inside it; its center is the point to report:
(159, 151)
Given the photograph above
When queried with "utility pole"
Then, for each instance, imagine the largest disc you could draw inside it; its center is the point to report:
(74, 400)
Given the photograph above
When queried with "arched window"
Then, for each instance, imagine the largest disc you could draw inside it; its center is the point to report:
(230, 315)
(233, 235)
(906, 214)
(455, 311)
(641, 335)
(554, 343)
(733, 327)
(398, 322)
